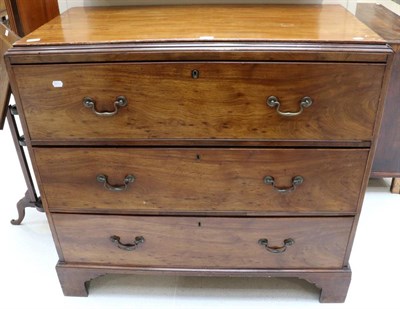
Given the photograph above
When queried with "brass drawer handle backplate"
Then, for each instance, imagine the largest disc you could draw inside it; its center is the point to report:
(296, 181)
(275, 249)
(273, 101)
(121, 101)
(128, 247)
(115, 188)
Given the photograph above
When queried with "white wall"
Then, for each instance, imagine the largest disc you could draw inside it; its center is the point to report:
(65, 4)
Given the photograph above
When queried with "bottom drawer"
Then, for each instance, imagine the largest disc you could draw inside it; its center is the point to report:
(204, 242)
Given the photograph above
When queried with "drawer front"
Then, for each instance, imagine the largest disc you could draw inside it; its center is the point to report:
(201, 180)
(221, 101)
(204, 242)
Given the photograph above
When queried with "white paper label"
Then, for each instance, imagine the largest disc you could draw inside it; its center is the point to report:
(32, 40)
(57, 84)
(206, 37)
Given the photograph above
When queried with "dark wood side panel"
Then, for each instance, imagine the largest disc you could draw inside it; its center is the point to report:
(387, 24)
(387, 156)
(202, 180)
(199, 242)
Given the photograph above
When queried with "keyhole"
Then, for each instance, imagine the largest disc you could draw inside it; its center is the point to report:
(199, 224)
(198, 157)
(195, 74)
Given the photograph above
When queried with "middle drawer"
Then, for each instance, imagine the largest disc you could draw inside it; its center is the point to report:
(201, 180)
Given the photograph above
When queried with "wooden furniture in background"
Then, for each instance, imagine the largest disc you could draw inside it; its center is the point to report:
(27, 15)
(387, 157)
(3, 10)
(23, 17)
(164, 144)
(7, 38)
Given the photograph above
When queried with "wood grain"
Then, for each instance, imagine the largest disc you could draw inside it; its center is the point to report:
(3, 11)
(204, 242)
(227, 101)
(323, 23)
(201, 180)
(381, 20)
(202, 210)
(27, 15)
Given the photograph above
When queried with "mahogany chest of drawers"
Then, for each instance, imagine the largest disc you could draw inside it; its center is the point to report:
(239, 146)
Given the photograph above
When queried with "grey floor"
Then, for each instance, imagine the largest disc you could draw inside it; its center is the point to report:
(28, 278)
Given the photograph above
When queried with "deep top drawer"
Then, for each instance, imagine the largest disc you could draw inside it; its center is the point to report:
(216, 101)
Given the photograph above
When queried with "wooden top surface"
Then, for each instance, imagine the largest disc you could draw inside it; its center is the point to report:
(304, 23)
(381, 20)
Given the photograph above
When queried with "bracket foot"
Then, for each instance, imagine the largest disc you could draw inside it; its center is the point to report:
(24, 203)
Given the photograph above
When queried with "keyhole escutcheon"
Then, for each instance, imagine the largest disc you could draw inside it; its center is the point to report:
(195, 74)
